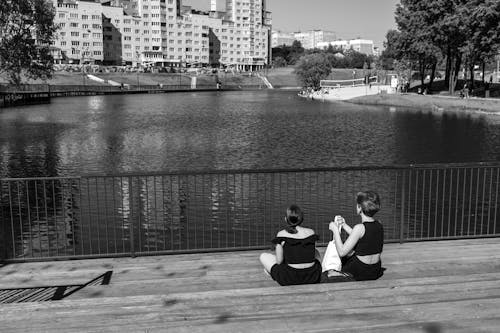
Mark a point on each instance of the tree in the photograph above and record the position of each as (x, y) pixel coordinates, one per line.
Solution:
(481, 22)
(313, 68)
(26, 31)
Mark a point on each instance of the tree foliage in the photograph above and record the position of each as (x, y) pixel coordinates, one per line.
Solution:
(431, 32)
(26, 31)
(313, 68)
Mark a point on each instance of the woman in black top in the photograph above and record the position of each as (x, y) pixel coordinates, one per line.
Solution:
(361, 252)
(295, 259)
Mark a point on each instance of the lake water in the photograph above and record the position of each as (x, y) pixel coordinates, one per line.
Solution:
(231, 130)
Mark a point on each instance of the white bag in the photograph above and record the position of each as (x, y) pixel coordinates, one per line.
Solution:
(331, 258)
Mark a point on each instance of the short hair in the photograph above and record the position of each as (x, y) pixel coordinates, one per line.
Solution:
(369, 202)
(294, 217)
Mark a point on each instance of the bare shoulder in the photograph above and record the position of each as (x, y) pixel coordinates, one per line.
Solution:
(307, 232)
(359, 229)
(282, 233)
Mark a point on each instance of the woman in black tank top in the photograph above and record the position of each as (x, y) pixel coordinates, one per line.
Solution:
(361, 252)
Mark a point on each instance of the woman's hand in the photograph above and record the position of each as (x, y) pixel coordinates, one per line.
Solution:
(337, 224)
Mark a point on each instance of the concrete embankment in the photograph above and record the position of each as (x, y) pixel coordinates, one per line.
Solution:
(431, 102)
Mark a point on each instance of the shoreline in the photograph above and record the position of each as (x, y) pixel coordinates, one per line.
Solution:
(434, 103)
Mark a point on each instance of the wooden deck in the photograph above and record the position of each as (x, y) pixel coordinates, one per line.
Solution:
(445, 286)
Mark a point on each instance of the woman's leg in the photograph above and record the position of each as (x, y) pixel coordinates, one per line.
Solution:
(267, 260)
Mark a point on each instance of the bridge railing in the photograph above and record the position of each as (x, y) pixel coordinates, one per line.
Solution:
(180, 212)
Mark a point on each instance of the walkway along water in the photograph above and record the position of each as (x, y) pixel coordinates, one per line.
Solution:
(136, 214)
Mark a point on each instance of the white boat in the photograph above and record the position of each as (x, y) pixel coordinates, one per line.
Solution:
(338, 90)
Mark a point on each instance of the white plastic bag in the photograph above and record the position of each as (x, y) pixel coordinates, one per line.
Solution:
(331, 258)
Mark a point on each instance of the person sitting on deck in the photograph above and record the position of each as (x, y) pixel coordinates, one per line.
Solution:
(361, 252)
(296, 258)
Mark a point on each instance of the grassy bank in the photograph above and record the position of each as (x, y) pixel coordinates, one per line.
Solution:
(431, 102)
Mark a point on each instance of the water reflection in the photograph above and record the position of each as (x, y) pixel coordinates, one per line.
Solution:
(198, 131)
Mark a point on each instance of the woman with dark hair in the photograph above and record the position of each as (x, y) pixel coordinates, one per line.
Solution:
(361, 252)
(295, 260)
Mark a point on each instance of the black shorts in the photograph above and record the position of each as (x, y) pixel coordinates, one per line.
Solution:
(286, 275)
(361, 271)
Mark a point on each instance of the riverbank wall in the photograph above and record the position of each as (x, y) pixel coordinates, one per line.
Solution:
(434, 103)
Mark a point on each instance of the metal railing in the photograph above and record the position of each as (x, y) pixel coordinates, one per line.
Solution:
(132, 214)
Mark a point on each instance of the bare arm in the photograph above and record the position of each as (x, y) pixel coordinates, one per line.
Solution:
(344, 249)
(279, 253)
(347, 228)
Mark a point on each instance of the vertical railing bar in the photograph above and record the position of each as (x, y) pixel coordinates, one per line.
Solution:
(316, 210)
(219, 211)
(482, 201)
(122, 197)
(140, 211)
(211, 219)
(395, 207)
(98, 217)
(235, 212)
(449, 202)
(489, 202)
(436, 206)
(71, 204)
(295, 189)
(203, 219)
(46, 216)
(429, 206)
(155, 207)
(37, 218)
(423, 205)
(443, 194)
(81, 215)
(131, 216)
(172, 212)
(12, 222)
(89, 215)
(106, 213)
(408, 210)
(113, 191)
(228, 206)
(147, 219)
(470, 200)
(463, 204)
(55, 216)
(255, 207)
(243, 217)
(477, 198)
(20, 215)
(457, 195)
(195, 211)
(188, 215)
(403, 195)
(29, 217)
(496, 201)
(163, 210)
(416, 204)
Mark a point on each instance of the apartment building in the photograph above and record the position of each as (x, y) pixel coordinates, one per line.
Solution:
(163, 33)
(311, 39)
(80, 37)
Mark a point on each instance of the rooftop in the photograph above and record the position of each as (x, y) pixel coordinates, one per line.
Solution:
(438, 286)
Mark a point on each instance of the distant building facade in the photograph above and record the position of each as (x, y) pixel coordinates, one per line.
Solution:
(359, 45)
(163, 33)
(311, 39)
(279, 38)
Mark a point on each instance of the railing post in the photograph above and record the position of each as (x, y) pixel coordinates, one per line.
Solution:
(131, 222)
(403, 203)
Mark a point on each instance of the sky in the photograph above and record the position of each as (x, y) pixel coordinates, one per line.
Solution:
(368, 19)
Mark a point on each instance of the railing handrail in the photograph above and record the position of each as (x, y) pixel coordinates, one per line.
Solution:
(484, 164)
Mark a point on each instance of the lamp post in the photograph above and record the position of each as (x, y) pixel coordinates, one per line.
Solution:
(137, 58)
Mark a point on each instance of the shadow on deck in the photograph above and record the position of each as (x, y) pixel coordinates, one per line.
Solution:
(441, 286)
